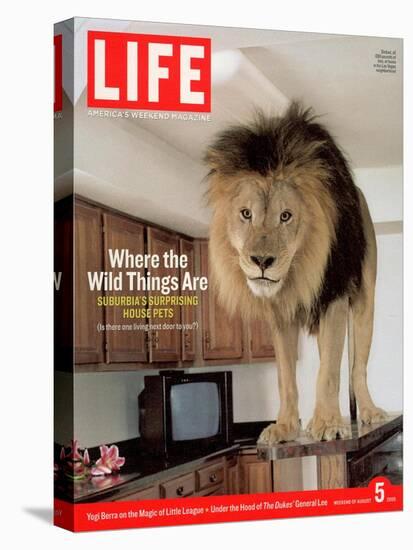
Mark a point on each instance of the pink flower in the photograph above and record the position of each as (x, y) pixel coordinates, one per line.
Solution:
(74, 464)
(75, 469)
(74, 450)
(86, 458)
(109, 461)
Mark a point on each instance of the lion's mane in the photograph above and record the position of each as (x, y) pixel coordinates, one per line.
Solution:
(291, 147)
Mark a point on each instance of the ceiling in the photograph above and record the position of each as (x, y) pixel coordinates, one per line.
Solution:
(333, 75)
(250, 68)
(363, 108)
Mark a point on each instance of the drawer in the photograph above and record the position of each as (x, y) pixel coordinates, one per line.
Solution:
(211, 475)
(179, 487)
(148, 493)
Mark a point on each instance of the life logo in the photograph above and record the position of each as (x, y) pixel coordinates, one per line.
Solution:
(58, 73)
(149, 72)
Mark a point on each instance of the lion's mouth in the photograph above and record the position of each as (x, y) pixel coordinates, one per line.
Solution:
(264, 279)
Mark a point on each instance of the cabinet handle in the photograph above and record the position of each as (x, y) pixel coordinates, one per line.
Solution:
(207, 340)
(213, 478)
(155, 340)
(187, 342)
(180, 490)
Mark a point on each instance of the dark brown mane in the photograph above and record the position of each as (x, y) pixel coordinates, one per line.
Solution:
(295, 142)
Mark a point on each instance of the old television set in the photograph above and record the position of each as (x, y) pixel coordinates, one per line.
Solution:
(183, 414)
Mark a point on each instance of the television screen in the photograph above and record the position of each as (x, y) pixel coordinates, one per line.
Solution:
(195, 410)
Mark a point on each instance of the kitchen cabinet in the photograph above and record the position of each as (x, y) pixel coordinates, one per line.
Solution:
(261, 344)
(88, 341)
(210, 477)
(124, 346)
(188, 313)
(222, 336)
(207, 480)
(255, 474)
(215, 338)
(165, 344)
(182, 486)
(233, 476)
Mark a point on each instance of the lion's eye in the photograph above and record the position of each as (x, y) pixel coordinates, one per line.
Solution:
(285, 216)
(246, 214)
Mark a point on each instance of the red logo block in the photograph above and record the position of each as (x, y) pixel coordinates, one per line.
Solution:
(152, 72)
(58, 66)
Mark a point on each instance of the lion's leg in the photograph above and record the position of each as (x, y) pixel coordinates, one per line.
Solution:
(327, 422)
(287, 426)
(363, 316)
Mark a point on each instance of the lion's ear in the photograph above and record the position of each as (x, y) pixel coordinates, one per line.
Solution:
(213, 159)
(217, 189)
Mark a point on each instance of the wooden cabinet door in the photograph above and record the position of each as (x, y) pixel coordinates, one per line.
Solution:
(261, 340)
(123, 346)
(165, 345)
(87, 257)
(256, 475)
(233, 481)
(222, 337)
(188, 340)
(210, 476)
(182, 486)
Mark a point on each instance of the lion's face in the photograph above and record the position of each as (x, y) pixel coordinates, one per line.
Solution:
(276, 188)
(265, 228)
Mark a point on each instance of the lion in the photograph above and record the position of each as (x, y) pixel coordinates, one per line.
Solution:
(292, 242)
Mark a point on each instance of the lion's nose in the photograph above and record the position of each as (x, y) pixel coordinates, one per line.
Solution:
(263, 261)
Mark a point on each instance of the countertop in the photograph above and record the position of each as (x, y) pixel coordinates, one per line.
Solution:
(138, 472)
(362, 436)
(141, 471)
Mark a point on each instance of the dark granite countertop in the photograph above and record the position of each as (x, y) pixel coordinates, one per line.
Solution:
(142, 470)
(139, 471)
(362, 436)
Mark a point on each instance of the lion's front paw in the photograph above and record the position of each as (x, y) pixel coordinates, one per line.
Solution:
(282, 431)
(371, 415)
(328, 428)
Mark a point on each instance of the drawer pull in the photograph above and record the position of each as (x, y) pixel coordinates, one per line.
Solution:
(187, 341)
(213, 478)
(207, 340)
(180, 490)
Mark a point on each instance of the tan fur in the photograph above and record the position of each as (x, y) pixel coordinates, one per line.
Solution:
(292, 242)
(289, 306)
(363, 317)
(308, 264)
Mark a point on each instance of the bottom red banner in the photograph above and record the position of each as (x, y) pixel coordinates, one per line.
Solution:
(379, 496)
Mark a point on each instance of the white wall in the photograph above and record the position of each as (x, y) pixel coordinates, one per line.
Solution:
(383, 189)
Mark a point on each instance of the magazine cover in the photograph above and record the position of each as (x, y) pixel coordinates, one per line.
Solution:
(228, 274)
